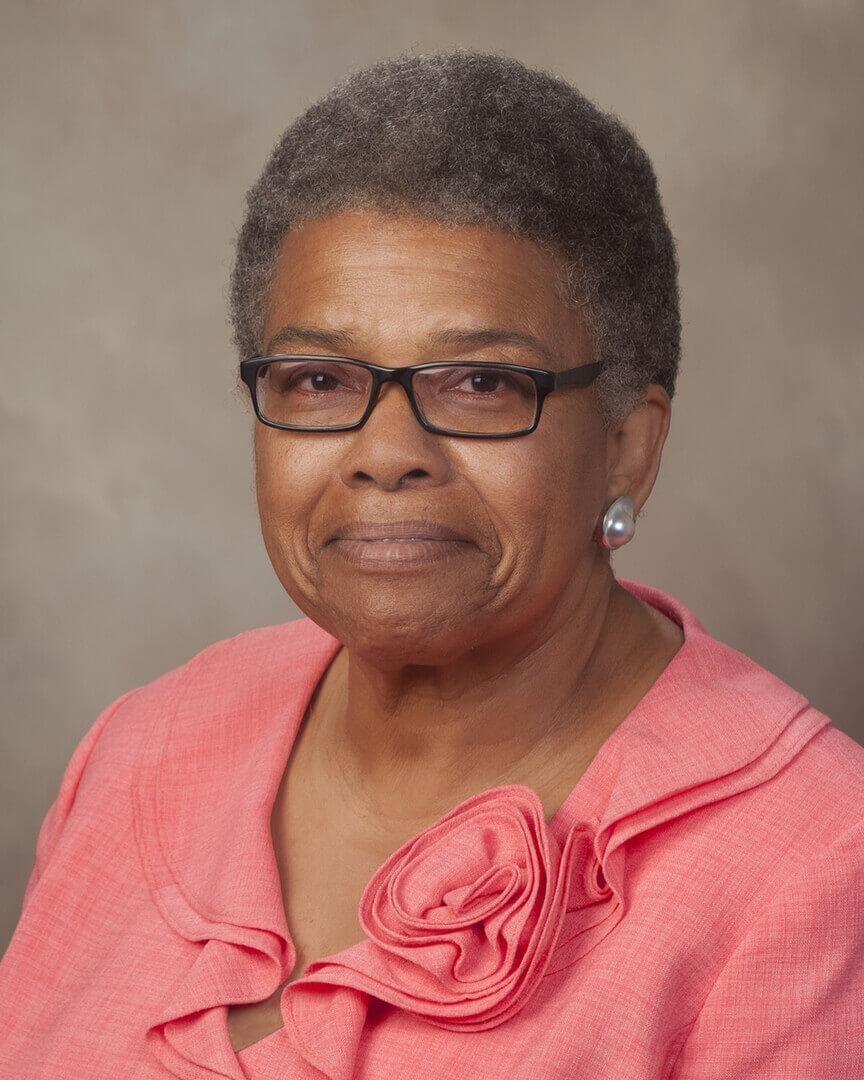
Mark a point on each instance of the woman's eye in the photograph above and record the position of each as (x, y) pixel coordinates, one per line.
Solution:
(311, 380)
(321, 380)
(486, 382)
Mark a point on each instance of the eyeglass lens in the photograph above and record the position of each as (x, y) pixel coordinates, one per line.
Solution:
(467, 398)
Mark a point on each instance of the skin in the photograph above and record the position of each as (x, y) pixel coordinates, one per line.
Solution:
(508, 661)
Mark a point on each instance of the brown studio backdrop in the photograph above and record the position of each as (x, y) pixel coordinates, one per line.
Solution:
(131, 132)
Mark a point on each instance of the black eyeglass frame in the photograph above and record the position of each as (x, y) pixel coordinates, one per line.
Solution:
(545, 382)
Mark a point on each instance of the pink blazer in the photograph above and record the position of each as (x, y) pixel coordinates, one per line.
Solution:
(695, 909)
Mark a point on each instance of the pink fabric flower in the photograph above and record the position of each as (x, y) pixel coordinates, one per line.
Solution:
(462, 920)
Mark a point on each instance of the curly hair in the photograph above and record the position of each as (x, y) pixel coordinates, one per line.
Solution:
(467, 138)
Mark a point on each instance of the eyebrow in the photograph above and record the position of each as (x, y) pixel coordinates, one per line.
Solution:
(452, 337)
(309, 335)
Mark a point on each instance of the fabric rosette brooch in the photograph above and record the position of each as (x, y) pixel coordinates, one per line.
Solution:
(463, 920)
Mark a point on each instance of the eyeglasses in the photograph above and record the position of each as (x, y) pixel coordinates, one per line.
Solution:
(334, 393)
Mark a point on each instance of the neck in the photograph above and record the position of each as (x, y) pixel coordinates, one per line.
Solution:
(406, 744)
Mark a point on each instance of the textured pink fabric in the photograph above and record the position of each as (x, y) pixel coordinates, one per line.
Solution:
(693, 911)
(463, 920)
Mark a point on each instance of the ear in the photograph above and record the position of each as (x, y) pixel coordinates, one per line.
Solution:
(635, 445)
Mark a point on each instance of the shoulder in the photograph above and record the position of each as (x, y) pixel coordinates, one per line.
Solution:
(243, 668)
(751, 781)
(834, 765)
(789, 822)
(825, 784)
(244, 655)
(240, 676)
(799, 796)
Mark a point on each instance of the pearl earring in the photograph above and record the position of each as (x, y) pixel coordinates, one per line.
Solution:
(618, 523)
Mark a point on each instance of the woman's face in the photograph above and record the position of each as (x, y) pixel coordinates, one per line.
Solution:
(525, 508)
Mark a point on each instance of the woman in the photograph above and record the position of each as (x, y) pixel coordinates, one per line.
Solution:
(486, 811)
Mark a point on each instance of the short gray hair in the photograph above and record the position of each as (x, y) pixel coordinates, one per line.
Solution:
(471, 138)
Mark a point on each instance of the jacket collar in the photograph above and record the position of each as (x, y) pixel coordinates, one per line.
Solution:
(714, 723)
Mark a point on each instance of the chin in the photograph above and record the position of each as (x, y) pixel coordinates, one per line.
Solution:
(394, 639)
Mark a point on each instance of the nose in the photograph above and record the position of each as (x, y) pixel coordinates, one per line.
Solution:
(393, 450)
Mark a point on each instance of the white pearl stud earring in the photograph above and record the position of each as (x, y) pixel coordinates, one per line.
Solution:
(618, 523)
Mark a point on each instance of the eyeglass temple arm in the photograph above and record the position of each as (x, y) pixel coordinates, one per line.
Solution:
(580, 376)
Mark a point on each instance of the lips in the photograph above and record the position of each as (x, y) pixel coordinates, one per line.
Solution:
(413, 529)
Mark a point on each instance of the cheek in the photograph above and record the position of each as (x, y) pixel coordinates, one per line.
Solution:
(288, 482)
(268, 476)
(541, 493)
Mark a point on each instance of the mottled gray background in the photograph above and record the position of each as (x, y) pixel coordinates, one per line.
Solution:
(130, 133)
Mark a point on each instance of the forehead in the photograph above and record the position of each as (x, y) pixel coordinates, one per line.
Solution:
(373, 273)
